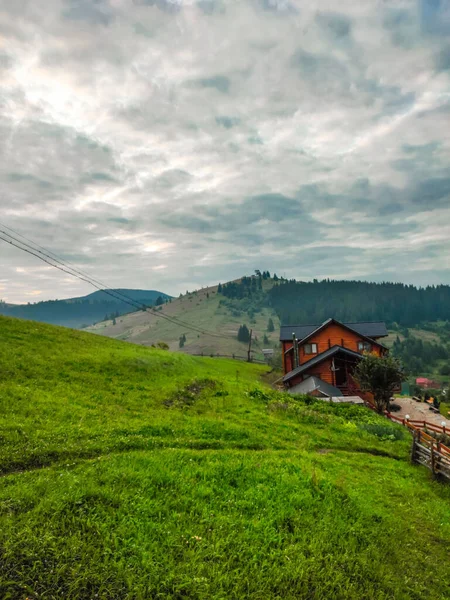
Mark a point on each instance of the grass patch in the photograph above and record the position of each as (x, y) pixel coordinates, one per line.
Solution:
(133, 473)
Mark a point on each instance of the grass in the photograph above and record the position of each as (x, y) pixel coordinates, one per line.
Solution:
(199, 309)
(134, 473)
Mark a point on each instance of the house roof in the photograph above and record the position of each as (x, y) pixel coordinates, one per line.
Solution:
(320, 358)
(367, 329)
(313, 383)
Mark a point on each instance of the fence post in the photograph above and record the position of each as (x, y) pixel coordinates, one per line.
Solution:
(413, 449)
(433, 461)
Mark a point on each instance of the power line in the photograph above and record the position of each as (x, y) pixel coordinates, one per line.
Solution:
(49, 254)
(62, 266)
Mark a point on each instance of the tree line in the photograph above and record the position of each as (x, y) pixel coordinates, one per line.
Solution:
(314, 302)
(419, 356)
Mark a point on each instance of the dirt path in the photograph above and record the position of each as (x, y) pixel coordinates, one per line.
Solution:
(419, 411)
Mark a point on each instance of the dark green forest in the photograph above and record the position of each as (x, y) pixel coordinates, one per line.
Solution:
(81, 312)
(419, 356)
(300, 302)
(314, 302)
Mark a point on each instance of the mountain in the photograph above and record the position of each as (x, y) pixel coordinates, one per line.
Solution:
(132, 473)
(83, 311)
(219, 311)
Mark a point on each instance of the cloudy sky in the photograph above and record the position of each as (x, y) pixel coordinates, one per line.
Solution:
(170, 144)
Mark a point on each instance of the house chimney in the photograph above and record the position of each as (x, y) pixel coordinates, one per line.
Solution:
(295, 345)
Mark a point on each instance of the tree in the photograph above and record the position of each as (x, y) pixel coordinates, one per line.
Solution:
(159, 301)
(243, 334)
(266, 340)
(219, 288)
(114, 321)
(182, 340)
(270, 325)
(380, 375)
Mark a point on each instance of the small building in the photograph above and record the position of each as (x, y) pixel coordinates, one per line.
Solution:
(327, 354)
(268, 354)
(428, 384)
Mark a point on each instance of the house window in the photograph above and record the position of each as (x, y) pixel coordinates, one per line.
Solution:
(364, 347)
(310, 348)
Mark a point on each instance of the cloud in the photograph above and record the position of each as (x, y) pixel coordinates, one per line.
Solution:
(96, 12)
(219, 82)
(224, 136)
(336, 25)
(227, 122)
(443, 59)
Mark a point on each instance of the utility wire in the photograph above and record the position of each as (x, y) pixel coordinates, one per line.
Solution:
(49, 254)
(62, 266)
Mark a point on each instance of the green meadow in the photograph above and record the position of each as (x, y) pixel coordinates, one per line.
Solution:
(136, 473)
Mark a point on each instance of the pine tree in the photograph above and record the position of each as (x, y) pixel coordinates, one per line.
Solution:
(243, 334)
(219, 288)
(270, 325)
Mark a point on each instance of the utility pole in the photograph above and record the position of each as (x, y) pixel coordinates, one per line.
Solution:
(249, 359)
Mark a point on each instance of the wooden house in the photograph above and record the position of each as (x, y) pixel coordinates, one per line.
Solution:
(320, 359)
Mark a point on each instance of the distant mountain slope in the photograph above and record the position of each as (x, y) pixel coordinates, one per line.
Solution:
(83, 311)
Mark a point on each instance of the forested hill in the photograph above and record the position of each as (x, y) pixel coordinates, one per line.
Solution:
(84, 311)
(313, 302)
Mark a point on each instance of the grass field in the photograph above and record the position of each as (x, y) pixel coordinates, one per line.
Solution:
(134, 473)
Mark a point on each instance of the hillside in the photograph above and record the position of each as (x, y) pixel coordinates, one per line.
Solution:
(204, 309)
(224, 312)
(135, 473)
(80, 312)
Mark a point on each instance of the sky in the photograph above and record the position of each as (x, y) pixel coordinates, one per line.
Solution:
(173, 144)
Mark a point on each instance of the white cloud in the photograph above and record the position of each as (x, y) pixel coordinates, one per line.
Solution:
(141, 129)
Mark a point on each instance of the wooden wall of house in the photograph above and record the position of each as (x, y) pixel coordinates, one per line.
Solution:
(334, 335)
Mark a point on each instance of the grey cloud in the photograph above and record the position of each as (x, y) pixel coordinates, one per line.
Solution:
(6, 60)
(172, 178)
(168, 6)
(443, 59)
(255, 140)
(218, 82)
(435, 17)
(227, 122)
(432, 193)
(421, 149)
(337, 25)
(279, 6)
(98, 177)
(211, 7)
(318, 66)
(97, 12)
(402, 26)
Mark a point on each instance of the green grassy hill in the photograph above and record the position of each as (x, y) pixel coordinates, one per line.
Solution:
(201, 309)
(134, 473)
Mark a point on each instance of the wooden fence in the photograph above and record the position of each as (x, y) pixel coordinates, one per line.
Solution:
(427, 450)
(233, 356)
